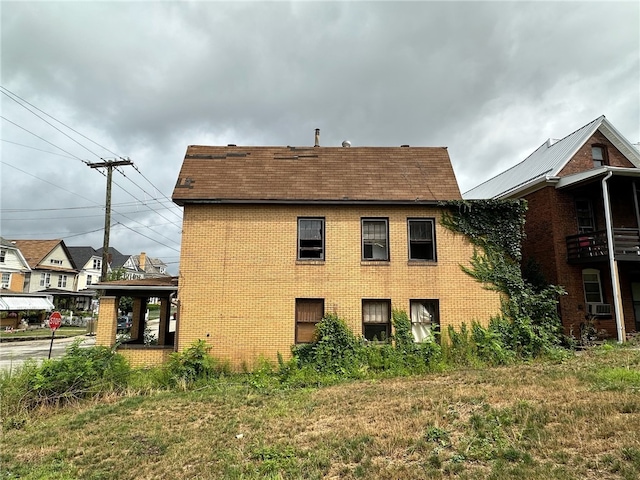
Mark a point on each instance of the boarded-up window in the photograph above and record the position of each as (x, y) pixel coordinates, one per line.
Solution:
(309, 311)
(376, 320)
(375, 240)
(425, 317)
(421, 239)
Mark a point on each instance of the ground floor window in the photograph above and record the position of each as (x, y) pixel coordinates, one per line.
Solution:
(376, 319)
(309, 311)
(425, 317)
(592, 285)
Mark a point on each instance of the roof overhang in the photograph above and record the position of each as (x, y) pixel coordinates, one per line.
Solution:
(153, 287)
(595, 175)
(345, 201)
(528, 187)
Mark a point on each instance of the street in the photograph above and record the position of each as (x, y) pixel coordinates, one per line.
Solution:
(13, 354)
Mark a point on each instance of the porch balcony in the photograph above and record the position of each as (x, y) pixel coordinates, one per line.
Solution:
(593, 246)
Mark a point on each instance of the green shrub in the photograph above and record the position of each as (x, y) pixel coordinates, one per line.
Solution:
(336, 350)
(80, 373)
(194, 365)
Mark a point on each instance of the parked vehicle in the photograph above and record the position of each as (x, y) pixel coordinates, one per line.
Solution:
(124, 324)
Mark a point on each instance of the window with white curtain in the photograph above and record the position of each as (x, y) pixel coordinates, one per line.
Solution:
(376, 320)
(425, 318)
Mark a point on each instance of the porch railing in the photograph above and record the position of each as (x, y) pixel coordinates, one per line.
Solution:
(593, 246)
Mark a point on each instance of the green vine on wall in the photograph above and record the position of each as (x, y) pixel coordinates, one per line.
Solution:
(529, 321)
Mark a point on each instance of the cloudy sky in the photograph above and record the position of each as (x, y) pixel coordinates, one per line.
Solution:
(87, 82)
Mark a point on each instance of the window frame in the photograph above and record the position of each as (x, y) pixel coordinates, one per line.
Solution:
(97, 263)
(419, 335)
(89, 279)
(603, 150)
(592, 271)
(62, 281)
(588, 213)
(2, 279)
(45, 280)
(432, 222)
(385, 221)
(3, 255)
(365, 324)
(298, 321)
(322, 239)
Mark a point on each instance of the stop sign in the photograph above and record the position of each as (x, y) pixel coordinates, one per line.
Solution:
(55, 320)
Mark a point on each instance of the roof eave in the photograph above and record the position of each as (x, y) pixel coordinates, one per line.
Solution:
(214, 201)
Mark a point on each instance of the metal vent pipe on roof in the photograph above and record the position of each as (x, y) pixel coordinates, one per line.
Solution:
(317, 144)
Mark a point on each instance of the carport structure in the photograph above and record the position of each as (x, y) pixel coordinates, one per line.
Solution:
(135, 349)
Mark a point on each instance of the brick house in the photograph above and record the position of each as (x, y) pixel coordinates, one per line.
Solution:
(583, 224)
(274, 237)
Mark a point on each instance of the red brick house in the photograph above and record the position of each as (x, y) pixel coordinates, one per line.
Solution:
(583, 224)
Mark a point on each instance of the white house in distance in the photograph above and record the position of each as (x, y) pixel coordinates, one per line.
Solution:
(13, 266)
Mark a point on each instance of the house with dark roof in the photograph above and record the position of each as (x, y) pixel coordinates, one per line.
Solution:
(275, 237)
(583, 225)
(88, 261)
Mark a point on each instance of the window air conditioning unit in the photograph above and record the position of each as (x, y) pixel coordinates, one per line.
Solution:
(599, 309)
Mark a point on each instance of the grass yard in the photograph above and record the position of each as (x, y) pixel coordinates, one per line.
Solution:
(579, 419)
(44, 333)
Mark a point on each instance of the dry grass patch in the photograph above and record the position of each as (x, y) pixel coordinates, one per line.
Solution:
(537, 420)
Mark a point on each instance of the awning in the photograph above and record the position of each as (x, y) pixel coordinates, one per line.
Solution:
(25, 303)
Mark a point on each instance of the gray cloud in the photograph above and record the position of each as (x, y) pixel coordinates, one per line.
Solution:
(490, 80)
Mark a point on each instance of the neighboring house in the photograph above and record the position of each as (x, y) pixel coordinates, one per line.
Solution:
(89, 263)
(583, 224)
(52, 272)
(13, 267)
(275, 237)
(146, 267)
(135, 267)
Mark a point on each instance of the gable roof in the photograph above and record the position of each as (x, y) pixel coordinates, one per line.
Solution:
(234, 174)
(34, 251)
(117, 259)
(549, 159)
(81, 255)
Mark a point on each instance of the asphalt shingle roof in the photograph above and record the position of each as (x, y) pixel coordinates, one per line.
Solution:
(315, 174)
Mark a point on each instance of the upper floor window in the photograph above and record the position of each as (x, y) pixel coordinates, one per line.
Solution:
(89, 279)
(62, 281)
(599, 155)
(309, 311)
(421, 239)
(97, 264)
(6, 280)
(376, 319)
(311, 238)
(3, 254)
(54, 261)
(45, 279)
(584, 214)
(592, 285)
(425, 317)
(375, 239)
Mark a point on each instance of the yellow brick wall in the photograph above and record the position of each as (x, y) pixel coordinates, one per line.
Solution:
(107, 321)
(239, 276)
(145, 356)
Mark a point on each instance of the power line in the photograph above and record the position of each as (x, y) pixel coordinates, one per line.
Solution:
(44, 140)
(53, 118)
(34, 148)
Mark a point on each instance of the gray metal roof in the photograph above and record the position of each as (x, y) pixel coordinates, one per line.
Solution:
(548, 160)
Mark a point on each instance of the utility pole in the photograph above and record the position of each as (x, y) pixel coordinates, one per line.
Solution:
(109, 165)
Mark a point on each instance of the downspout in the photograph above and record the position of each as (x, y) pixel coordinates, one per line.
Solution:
(613, 265)
(635, 201)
